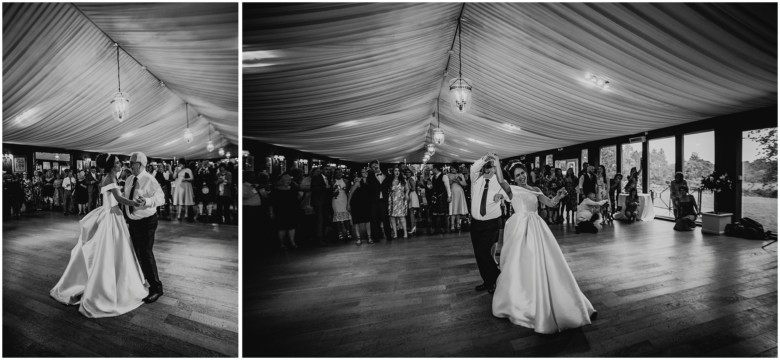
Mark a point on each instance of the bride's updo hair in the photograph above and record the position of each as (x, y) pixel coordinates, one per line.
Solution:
(515, 166)
(106, 162)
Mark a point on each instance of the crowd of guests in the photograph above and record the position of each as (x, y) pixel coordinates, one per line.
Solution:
(331, 204)
(194, 191)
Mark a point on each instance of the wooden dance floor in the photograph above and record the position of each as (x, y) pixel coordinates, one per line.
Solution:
(658, 293)
(197, 316)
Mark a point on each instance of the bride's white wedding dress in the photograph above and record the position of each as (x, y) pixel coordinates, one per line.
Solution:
(103, 274)
(536, 289)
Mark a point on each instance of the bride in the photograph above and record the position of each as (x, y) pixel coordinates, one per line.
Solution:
(103, 274)
(536, 289)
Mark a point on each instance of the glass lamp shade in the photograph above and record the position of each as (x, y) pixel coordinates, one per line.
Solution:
(221, 152)
(210, 146)
(431, 148)
(120, 106)
(460, 93)
(227, 155)
(438, 136)
(187, 135)
(245, 153)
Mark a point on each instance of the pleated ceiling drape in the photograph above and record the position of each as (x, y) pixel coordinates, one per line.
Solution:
(360, 81)
(60, 74)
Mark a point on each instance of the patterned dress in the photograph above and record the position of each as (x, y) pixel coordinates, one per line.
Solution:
(339, 202)
(396, 206)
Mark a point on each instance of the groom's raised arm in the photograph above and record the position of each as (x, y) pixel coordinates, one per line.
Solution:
(475, 168)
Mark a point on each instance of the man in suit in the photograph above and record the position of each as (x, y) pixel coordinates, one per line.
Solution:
(486, 217)
(440, 199)
(142, 220)
(165, 184)
(90, 178)
(320, 202)
(378, 189)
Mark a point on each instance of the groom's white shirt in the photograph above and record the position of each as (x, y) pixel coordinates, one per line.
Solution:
(492, 208)
(147, 188)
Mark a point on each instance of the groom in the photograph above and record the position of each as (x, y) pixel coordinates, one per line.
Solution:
(486, 196)
(142, 220)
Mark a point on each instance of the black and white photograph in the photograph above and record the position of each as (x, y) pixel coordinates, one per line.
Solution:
(509, 180)
(120, 199)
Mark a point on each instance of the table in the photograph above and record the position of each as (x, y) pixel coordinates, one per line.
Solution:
(645, 209)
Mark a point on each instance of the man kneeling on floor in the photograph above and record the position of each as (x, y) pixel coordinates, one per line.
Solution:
(588, 214)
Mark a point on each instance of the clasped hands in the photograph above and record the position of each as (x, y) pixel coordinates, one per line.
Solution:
(139, 202)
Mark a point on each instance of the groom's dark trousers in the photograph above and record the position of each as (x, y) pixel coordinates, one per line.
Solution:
(483, 235)
(142, 233)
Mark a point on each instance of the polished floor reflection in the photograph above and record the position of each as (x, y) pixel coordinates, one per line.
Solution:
(197, 316)
(658, 293)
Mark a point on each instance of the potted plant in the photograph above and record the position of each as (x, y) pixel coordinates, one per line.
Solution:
(715, 222)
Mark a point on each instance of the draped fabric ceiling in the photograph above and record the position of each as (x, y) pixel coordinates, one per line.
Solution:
(360, 81)
(60, 75)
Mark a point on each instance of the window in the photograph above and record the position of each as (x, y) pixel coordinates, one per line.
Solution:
(660, 173)
(548, 160)
(631, 157)
(759, 177)
(536, 162)
(584, 156)
(608, 158)
(698, 162)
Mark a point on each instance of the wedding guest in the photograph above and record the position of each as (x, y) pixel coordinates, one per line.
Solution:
(47, 194)
(359, 205)
(68, 187)
(440, 198)
(320, 202)
(414, 200)
(341, 216)
(57, 198)
(251, 204)
(284, 211)
(225, 191)
(614, 190)
(165, 185)
(633, 179)
(675, 192)
(204, 189)
(632, 205)
(569, 202)
(183, 198)
(458, 206)
(92, 182)
(588, 213)
(37, 190)
(82, 198)
(397, 202)
(588, 180)
(688, 211)
(379, 186)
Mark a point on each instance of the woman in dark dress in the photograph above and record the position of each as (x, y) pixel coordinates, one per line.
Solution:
(285, 210)
(48, 189)
(81, 193)
(359, 206)
(687, 212)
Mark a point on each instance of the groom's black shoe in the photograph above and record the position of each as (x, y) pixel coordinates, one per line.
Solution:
(152, 297)
(483, 287)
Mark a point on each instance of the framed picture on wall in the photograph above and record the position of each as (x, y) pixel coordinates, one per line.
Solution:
(20, 164)
(536, 163)
(46, 165)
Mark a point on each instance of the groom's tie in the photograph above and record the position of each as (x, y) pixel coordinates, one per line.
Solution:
(483, 203)
(132, 191)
